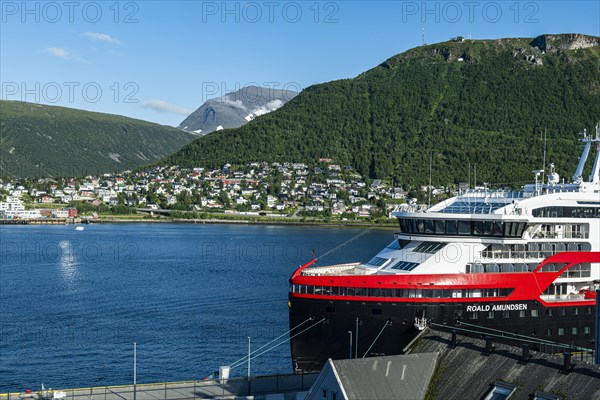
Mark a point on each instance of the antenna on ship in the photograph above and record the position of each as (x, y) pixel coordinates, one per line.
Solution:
(469, 180)
(544, 159)
(430, 163)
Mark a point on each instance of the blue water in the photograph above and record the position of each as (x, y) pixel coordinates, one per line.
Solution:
(73, 302)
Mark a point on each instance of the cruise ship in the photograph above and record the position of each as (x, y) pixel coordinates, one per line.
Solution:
(523, 264)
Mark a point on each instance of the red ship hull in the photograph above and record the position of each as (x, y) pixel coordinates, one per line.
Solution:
(381, 310)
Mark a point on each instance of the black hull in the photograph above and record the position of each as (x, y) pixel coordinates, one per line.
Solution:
(331, 338)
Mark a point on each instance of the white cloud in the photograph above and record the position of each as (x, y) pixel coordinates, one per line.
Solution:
(235, 103)
(164, 107)
(101, 37)
(56, 52)
(267, 108)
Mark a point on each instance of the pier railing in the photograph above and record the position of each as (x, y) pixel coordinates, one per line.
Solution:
(207, 389)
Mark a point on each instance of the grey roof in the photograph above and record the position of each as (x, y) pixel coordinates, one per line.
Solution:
(465, 372)
(390, 377)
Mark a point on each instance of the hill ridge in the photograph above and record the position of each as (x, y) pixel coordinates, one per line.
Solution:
(42, 140)
(471, 101)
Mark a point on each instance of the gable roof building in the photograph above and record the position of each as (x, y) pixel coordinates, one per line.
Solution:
(388, 377)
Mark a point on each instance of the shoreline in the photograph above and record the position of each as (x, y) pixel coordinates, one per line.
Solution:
(212, 221)
(336, 224)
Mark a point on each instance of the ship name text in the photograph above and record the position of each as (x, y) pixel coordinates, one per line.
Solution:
(497, 307)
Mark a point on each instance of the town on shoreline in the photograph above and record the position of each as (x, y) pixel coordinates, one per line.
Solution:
(285, 193)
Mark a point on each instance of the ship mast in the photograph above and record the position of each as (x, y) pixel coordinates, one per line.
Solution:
(588, 140)
(595, 176)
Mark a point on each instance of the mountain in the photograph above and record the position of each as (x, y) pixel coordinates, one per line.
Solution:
(40, 140)
(235, 109)
(484, 102)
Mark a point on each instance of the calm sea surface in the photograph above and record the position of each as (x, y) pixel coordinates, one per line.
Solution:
(73, 302)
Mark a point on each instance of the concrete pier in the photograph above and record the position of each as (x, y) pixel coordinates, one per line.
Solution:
(273, 387)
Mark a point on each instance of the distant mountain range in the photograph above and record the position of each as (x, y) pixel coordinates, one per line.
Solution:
(465, 102)
(38, 140)
(235, 109)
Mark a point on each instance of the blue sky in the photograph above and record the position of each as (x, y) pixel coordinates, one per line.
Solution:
(159, 60)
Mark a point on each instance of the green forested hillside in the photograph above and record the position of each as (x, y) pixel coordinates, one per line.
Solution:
(484, 102)
(40, 140)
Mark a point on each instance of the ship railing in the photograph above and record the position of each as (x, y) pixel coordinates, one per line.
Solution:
(496, 194)
(516, 254)
(330, 269)
(551, 298)
(561, 235)
(210, 388)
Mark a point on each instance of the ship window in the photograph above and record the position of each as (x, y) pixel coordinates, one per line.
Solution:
(520, 229)
(553, 267)
(440, 227)
(478, 228)
(429, 226)
(522, 314)
(507, 268)
(576, 311)
(377, 261)
(429, 247)
(451, 227)
(405, 265)
(548, 332)
(561, 331)
(587, 330)
(583, 270)
(567, 212)
(490, 314)
(398, 244)
(464, 228)
(505, 314)
(574, 330)
(548, 312)
(487, 228)
(534, 313)
(496, 228)
(588, 310)
(421, 226)
(474, 315)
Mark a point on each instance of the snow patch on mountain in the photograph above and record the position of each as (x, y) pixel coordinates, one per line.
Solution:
(235, 109)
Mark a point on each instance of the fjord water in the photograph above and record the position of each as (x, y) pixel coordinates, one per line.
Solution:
(73, 302)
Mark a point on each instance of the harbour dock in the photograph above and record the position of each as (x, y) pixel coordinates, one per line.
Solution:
(273, 387)
(39, 221)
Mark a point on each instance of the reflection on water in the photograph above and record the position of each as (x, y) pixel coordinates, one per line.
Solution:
(189, 295)
(67, 262)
